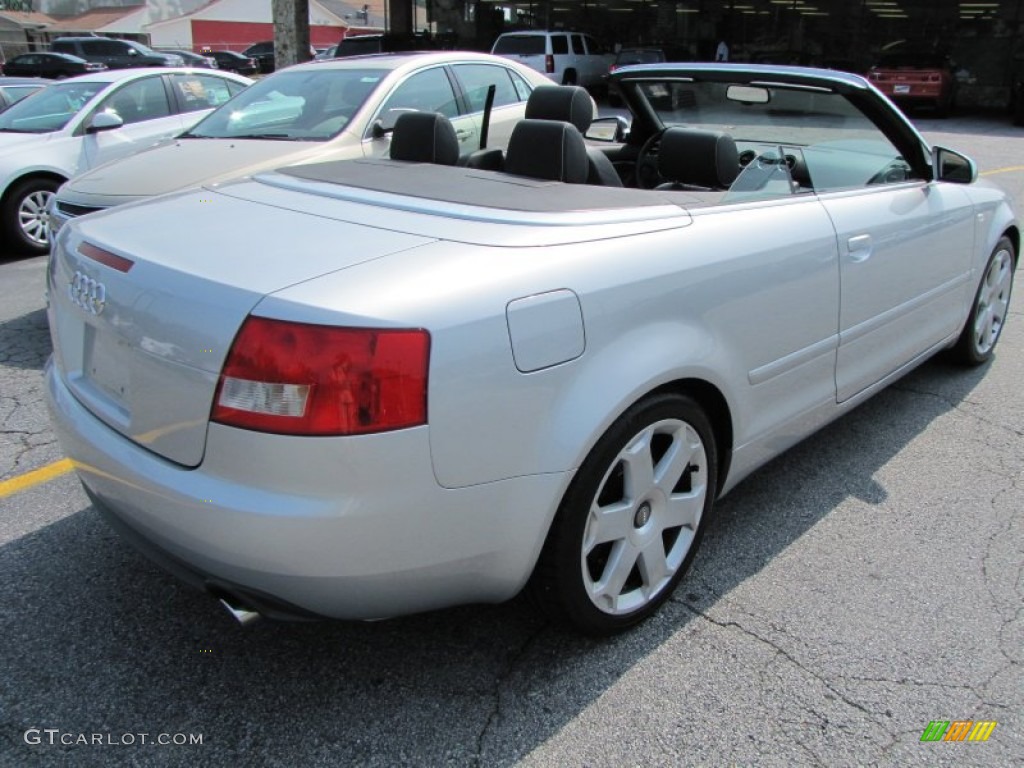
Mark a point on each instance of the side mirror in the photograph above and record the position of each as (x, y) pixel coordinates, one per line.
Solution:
(385, 124)
(953, 167)
(611, 129)
(377, 129)
(104, 121)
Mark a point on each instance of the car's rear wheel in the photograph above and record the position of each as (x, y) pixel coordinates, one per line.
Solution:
(569, 78)
(24, 215)
(991, 303)
(632, 518)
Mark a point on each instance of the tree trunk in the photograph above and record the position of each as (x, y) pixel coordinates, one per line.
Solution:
(291, 32)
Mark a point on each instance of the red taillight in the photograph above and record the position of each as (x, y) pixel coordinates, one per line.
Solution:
(549, 63)
(301, 379)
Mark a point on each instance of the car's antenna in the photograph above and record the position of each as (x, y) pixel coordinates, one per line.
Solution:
(488, 103)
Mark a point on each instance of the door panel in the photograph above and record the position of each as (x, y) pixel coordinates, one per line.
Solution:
(904, 262)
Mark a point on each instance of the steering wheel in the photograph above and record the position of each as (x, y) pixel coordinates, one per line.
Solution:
(646, 170)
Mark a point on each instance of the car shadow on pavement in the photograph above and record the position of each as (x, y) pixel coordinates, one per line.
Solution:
(100, 641)
(25, 341)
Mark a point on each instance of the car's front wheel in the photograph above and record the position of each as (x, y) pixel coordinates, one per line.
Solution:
(24, 215)
(991, 303)
(632, 518)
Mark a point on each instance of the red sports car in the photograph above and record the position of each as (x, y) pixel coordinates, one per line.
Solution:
(916, 79)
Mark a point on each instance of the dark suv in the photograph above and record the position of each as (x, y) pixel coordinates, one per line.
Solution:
(356, 45)
(263, 54)
(116, 54)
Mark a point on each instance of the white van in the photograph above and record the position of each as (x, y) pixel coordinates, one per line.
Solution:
(568, 58)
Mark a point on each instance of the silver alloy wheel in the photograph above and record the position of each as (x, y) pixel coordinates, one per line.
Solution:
(33, 217)
(993, 300)
(644, 516)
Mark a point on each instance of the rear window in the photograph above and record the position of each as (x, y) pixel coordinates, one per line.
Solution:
(639, 57)
(523, 45)
(354, 46)
(913, 61)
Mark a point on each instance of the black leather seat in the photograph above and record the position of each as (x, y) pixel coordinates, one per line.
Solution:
(695, 159)
(547, 149)
(424, 137)
(572, 104)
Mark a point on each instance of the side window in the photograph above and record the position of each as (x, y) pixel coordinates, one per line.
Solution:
(197, 92)
(138, 101)
(426, 91)
(559, 44)
(102, 48)
(577, 45)
(477, 78)
(523, 88)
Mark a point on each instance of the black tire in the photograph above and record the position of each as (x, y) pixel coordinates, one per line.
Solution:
(600, 585)
(23, 218)
(569, 78)
(988, 314)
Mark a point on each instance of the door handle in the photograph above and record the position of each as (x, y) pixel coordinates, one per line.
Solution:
(464, 134)
(859, 247)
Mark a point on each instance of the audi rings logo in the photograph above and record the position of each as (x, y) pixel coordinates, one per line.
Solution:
(89, 294)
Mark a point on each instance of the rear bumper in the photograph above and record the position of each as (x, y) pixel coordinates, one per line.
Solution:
(350, 528)
(915, 92)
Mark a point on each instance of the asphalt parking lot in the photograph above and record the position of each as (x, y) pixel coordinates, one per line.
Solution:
(866, 583)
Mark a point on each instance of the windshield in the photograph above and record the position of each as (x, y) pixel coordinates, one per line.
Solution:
(786, 116)
(307, 105)
(49, 109)
(787, 139)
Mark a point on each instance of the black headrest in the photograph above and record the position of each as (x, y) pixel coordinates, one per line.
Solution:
(568, 103)
(698, 158)
(424, 137)
(547, 149)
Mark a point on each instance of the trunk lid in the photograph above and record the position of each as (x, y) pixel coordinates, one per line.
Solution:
(145, 301)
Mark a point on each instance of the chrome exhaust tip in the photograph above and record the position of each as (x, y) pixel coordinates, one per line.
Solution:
(243, 616)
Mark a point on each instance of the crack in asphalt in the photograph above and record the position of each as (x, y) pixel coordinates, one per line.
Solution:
(512, 663)
(998, 537)
(780, 651)
(958, 406)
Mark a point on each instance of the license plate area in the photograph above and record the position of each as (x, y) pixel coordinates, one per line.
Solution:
(901, 89)
(105, 365)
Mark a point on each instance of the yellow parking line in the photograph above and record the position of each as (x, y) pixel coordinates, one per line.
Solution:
(1008, 169)
(35, 477)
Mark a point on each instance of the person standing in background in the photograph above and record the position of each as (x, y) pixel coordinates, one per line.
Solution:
(722, 52)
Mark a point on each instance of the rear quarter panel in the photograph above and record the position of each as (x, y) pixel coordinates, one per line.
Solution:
(754, 316)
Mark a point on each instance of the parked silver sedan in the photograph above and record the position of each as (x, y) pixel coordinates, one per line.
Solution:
(372, 387)
(314, 112)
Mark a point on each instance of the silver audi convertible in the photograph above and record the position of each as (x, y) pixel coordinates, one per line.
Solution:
(373, 387)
